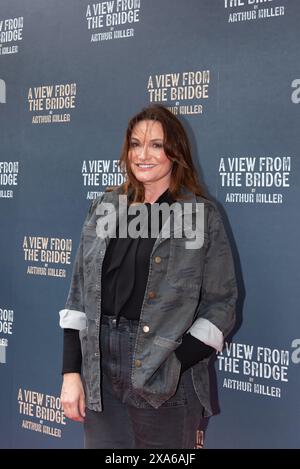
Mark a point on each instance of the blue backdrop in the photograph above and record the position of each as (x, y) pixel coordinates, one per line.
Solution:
(71, 75)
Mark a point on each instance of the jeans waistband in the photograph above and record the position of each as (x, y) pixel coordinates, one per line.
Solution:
(120, 323)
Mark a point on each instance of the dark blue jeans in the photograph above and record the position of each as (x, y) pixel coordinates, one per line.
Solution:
(127, 420)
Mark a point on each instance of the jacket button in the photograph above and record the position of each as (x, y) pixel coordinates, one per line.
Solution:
(146, 329)
(151, 295)
(138, 363)
(157, 259)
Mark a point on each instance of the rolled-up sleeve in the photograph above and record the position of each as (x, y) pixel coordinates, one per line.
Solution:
(73, 315)
(215, 316)
(72, 319)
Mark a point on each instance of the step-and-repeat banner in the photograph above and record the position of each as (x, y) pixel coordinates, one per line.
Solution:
(72, 73)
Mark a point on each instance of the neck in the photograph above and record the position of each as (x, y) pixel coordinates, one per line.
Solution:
(152, 193)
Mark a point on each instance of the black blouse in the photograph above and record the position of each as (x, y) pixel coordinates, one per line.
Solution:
(125, 270)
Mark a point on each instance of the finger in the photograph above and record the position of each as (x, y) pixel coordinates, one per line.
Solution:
(82, 406)
(74, 416)
(71, 411)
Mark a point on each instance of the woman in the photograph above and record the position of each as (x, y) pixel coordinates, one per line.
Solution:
(145, 312)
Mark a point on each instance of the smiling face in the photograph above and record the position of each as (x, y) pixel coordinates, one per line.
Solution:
(148, 161)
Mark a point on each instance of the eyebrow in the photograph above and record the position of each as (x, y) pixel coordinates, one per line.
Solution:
(152, 140)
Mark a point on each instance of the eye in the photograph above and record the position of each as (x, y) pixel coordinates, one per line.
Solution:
(134, 144)
(157, 145)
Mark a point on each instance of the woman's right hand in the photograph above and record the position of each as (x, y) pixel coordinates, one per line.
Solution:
(72, 397)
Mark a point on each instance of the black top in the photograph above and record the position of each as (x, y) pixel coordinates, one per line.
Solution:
(125, 272)
(126, 267)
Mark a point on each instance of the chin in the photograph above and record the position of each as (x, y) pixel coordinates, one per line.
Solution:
(144, 177)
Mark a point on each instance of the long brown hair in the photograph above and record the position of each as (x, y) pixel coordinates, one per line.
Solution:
(176, 147)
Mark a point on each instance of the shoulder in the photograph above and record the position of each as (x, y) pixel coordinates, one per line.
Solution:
(107, 196)
(212, 213)
(210, 207)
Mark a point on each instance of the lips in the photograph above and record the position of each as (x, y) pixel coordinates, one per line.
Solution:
(145, 165)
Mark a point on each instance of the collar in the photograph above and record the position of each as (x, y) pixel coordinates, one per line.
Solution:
(112, 197)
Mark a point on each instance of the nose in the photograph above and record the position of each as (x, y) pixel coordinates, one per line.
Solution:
(143, 152)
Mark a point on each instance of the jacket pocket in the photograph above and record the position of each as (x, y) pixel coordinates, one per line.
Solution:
(157, 381)
(167, 343)
(185, 267)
